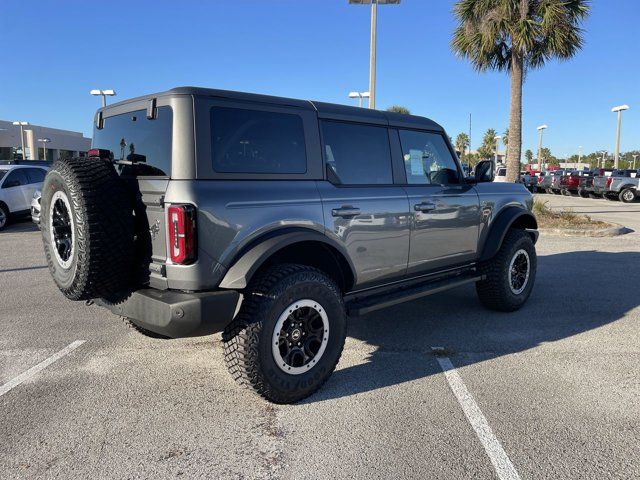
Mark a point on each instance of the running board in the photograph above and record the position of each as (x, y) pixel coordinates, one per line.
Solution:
(358, 308)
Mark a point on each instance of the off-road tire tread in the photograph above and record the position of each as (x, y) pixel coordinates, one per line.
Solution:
(104, 232)
(491, 290)
(241, 337)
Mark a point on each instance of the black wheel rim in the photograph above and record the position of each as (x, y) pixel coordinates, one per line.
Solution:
(300, 336)
(61, 228)
(519, 270)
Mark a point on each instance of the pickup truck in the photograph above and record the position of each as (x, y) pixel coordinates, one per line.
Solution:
(623, 186)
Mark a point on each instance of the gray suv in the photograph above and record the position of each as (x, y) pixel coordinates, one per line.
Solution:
(271, 220)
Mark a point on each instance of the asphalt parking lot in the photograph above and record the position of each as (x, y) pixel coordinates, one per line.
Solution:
(557, 383)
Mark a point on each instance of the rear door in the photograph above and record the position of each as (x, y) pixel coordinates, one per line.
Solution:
(363, 209)
(36, 177)
(445, 210)
(13, 192)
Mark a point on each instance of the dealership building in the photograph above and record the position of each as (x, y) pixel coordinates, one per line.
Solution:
(58, 143)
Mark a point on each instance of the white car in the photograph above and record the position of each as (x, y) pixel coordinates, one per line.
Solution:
(501, 174)
(18, 183)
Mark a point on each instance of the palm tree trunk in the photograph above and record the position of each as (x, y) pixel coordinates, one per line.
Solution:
(514, 146)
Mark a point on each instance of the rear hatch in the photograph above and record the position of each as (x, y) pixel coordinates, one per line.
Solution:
(141, 147)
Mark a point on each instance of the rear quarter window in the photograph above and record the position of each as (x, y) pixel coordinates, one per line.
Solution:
(257, 141)
(133, 136)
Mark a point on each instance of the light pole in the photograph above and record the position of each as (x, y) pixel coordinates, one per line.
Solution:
(634, 161)
(497, 138)
(616, 153)
(604, 155)
(359, 96)
(104, 94)
(372, 54)
(22, 125)
(541, 129)
(579, 155)
(44, 146)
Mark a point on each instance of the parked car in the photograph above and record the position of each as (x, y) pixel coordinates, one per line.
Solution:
(35, 207)
(270, 219)
(539, 180)
(585, 186)
(17, 185)
(528, 180)
(570, 181)
(622, 185)
(551, 181)
(501, 174)
(600, 177)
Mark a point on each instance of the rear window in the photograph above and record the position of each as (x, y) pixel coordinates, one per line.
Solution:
(132, 134)
(256, 141)
(502, 172)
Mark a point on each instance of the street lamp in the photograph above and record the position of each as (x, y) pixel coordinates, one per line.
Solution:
(22, 125)
(579, 155)
(104, 94)
(372, 54)
(634, 161)
(497, 138)
(619, 111)
(44, 146)
(359, 96)
(540, 129)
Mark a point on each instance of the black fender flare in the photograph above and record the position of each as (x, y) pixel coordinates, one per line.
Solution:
(503, 222)
(245, 266)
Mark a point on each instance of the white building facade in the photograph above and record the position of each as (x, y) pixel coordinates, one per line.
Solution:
(62, 143)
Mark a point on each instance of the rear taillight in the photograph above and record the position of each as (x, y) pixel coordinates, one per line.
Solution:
(609, 180)
(99, 152)
(182, 233)
(540, 179)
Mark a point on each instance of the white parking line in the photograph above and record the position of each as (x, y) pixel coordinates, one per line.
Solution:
(503, 466)
(39, 367)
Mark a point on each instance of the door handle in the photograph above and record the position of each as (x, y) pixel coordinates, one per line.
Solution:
(345, 212)
(425, 207)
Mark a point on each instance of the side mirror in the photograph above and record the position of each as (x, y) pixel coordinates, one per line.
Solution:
(484, 171)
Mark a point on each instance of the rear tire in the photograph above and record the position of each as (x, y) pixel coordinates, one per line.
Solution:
(510, 274)
(87, 228)
(627, 195)
(583, 194)
(257, 347)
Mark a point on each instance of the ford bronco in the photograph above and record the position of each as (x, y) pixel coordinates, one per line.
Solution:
(272, 220)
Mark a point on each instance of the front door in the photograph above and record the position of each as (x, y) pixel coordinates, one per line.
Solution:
(13, 190)
(363, 210)
(445, 210)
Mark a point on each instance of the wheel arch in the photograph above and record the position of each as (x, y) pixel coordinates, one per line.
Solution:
(510, 217)
(305, 247)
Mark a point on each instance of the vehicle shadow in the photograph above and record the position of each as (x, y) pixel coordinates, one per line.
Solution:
(20, 226)
(561, 305)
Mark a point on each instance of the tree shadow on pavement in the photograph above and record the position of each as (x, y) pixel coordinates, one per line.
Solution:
(575, 292)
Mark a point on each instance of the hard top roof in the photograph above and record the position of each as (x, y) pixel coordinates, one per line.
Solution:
(325, 110)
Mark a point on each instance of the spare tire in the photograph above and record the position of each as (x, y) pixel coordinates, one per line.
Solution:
(87, 228)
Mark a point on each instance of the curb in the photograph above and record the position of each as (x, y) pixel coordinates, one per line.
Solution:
(570, 232)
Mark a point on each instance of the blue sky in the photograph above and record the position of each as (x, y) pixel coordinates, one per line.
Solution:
(54, 52)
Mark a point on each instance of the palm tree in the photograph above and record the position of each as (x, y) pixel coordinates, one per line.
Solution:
(462, 142)
(489, 144)
(505, 138)
(517, 36)
(399, 109)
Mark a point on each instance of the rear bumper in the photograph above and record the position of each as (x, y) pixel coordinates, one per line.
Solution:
(179, 314)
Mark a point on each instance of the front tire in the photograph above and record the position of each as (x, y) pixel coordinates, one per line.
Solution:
(289, 335)
(510, 274)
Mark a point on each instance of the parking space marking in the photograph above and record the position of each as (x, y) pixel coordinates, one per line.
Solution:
(39, 367)
(503, 466)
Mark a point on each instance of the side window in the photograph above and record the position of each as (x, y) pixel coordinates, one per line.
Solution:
(255, 141)
(16, 178)
(427, 159)
(36, 175)
(357, 154)
(131, 136)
